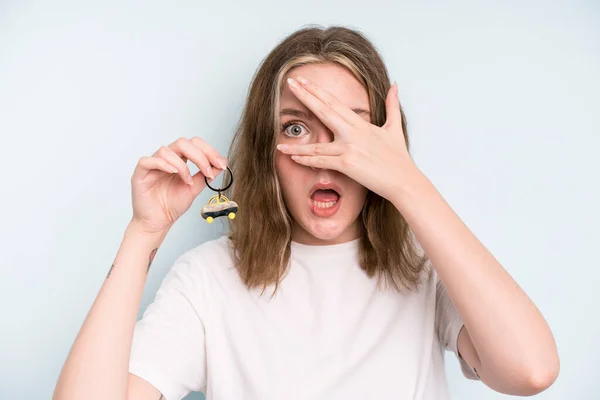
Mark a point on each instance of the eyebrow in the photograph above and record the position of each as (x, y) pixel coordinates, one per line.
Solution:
(294, 112)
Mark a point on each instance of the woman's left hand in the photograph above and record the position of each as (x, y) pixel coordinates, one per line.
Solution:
(376, 157)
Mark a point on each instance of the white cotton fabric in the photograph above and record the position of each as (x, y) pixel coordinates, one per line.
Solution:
(328, 333)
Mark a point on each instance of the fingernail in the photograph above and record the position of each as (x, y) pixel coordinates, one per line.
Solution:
(282, 147)
(222, 162)
(304, 81)
(190, 180)
(292, 82)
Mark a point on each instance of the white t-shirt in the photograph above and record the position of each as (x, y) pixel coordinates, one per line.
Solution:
(328, 333)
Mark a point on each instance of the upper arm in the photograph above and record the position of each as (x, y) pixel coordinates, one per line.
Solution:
(139, 389)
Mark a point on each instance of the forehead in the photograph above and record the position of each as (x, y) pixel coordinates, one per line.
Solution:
(334, 79)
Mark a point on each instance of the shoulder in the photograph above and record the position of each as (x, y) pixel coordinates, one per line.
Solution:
(208, 262)
(211, 250)
(208, 253)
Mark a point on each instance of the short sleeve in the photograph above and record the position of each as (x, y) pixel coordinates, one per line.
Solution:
(448, 325)
(168, 349)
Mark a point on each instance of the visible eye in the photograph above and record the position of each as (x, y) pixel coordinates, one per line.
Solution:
(293, 128)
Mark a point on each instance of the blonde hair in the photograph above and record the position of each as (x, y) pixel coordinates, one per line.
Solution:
(262, 231)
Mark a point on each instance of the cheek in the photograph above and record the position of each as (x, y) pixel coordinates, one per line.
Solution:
(292, 175)
(357, 194)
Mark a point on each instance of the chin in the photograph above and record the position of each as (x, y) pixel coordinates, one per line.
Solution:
(327, 230)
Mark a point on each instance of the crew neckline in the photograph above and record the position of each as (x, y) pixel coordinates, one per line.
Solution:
(334, 250)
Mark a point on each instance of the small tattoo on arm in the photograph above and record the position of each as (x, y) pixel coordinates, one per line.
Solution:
(151, 258)
(110, 270)
(152, 254)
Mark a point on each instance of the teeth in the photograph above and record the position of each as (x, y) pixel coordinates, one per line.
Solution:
(320, 204)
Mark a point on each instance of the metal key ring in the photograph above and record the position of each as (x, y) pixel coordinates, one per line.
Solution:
(221, 189)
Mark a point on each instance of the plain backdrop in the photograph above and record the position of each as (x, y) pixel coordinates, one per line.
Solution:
(502, 102)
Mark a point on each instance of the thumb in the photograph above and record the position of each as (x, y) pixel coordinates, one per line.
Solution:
(199, 183)
(392, 108)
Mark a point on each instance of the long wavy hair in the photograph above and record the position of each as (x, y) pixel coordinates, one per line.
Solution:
(261, 233)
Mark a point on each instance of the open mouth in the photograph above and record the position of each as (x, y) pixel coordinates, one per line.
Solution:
(324, 198)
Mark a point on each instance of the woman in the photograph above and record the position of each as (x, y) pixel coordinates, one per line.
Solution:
(345, 274)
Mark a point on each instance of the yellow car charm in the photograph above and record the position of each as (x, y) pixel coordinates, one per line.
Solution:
(219, 205)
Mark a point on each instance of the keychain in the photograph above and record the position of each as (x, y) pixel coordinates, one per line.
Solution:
(219, 205)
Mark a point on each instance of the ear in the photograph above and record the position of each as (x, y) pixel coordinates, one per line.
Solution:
(392, 108)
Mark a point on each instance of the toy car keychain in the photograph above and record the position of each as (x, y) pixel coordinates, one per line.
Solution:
(219, 205)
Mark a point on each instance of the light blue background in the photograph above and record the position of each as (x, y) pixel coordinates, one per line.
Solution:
(503, 109)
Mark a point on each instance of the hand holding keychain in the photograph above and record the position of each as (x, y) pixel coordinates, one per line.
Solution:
(219, 205)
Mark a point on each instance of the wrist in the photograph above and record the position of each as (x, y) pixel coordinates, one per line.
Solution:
(408, 184)
(139, 230)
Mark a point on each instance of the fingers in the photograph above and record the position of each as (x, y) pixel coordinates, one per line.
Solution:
(169, 155)
(211, 154)
(313, 149)
(176, 155)
(323, 111)
(331, 101)
(322, 162)
(200, 153)
(147, 164)
(392, 108)
(150, 163)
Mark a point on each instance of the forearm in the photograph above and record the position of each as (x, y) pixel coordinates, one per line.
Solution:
(512, 340)
(97, 365)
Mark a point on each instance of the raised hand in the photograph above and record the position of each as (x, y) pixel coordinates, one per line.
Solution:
(162, 186)
(376, 157)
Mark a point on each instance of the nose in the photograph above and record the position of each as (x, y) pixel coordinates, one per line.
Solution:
(324, 136)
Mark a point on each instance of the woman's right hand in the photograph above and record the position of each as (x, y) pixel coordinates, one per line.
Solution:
(162, 186)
